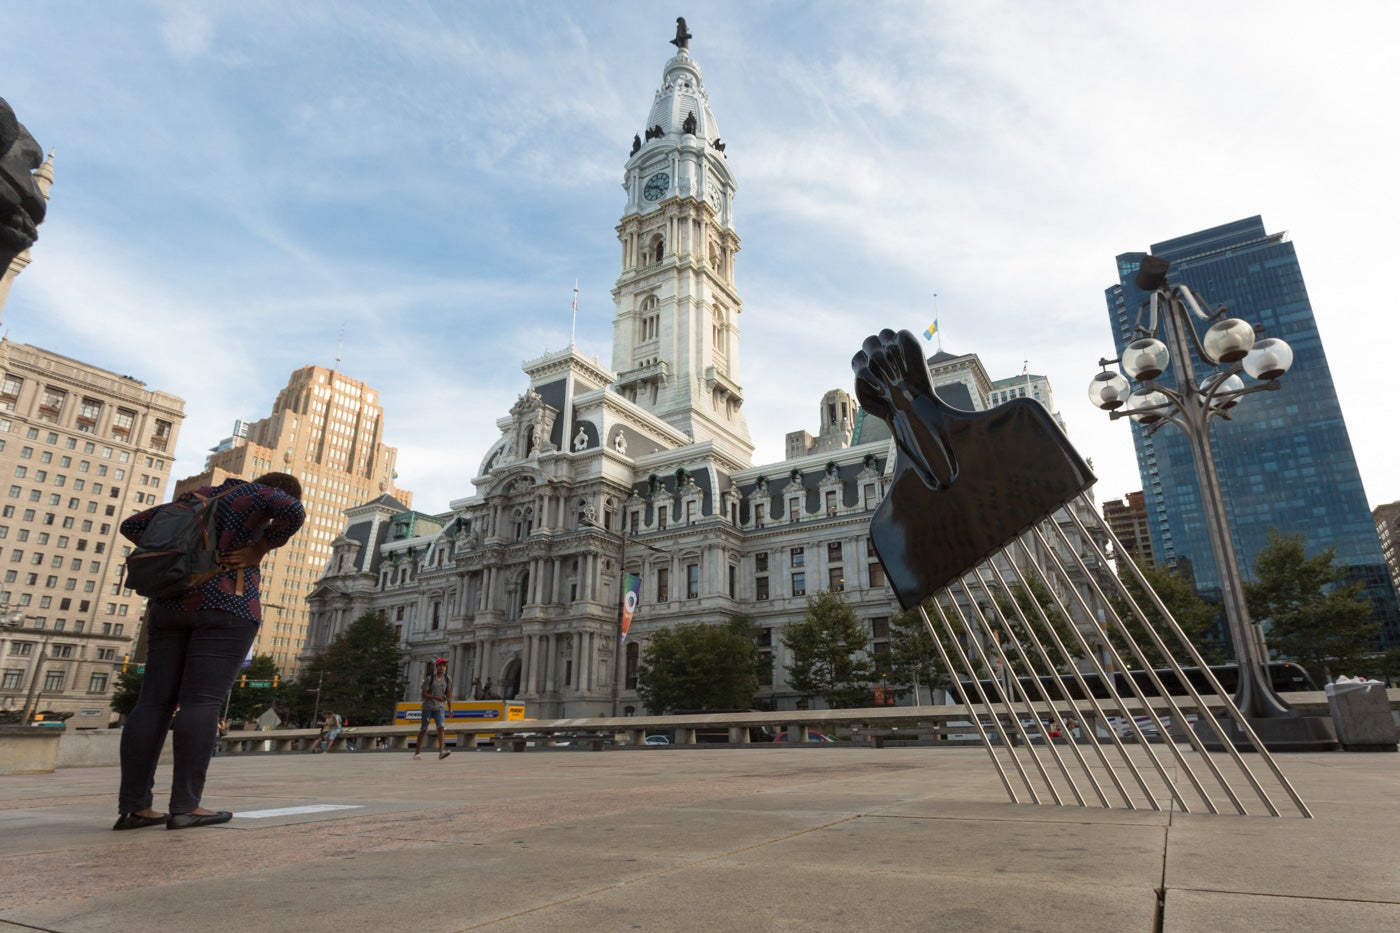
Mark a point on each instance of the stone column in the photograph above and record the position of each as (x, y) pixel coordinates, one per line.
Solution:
(532, 654)
(551, 663)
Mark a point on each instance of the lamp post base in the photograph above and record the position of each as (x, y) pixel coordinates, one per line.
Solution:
(1278, 733)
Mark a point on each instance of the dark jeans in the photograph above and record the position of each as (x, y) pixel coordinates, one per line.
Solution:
(192, 659)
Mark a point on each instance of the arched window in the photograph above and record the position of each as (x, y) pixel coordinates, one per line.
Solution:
(650, 328)
(633, 654)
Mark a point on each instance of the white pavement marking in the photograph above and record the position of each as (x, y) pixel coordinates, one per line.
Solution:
(293, 811)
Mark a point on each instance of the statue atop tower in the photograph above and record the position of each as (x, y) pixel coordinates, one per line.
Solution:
(682, 39)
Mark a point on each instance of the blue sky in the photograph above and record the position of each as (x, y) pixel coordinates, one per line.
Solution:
(434, 177)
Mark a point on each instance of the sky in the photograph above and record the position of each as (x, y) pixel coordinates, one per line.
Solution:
(413, 189)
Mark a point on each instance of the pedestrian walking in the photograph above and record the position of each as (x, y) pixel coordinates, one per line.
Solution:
(196, 641)
(437, 706)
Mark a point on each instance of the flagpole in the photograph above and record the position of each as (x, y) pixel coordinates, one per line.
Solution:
(939, 331)
(573, 325)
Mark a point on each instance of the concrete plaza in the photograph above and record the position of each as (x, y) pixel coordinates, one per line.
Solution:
(758, 838)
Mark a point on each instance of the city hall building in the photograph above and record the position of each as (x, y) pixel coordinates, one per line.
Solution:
(645, 468)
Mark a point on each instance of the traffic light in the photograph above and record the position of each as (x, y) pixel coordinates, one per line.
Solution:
(276, 681)
(242, 680)
(126, 659)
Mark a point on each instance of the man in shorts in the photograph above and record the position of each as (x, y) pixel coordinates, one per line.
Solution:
(437, 706)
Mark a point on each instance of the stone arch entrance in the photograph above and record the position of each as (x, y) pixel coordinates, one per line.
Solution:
(510, 680)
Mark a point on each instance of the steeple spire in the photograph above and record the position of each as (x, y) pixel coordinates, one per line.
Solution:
(676, 333)
(43, 176)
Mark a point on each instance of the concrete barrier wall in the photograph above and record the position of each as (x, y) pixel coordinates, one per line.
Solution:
(99, 748)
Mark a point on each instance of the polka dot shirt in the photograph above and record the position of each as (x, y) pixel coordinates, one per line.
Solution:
(251, 513)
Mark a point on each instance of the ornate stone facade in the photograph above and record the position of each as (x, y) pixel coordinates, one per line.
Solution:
(646, 469)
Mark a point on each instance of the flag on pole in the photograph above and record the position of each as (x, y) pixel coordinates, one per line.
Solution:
(631, 591)
(931, 330)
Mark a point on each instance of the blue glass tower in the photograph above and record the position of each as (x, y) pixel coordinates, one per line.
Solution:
(1284, 458)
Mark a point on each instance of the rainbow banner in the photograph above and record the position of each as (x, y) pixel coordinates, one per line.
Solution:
(632, 591)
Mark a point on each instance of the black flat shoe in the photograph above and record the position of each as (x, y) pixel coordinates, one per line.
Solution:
(187, 820)
(137, 821)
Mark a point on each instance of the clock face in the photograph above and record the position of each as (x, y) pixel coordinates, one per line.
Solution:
(656, 186)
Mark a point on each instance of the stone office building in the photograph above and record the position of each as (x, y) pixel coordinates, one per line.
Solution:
(81, 448)
(645, 468)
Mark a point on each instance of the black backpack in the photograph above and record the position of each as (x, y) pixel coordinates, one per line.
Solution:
(178, 550)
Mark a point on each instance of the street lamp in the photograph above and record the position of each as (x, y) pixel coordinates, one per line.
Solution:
(1231, 346)
(590, 520)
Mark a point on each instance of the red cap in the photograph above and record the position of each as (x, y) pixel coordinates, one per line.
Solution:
(440, 661)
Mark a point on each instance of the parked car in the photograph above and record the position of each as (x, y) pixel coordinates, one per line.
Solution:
(812, 736)
(656, 740)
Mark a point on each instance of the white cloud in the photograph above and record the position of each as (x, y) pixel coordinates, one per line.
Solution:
(434, 177)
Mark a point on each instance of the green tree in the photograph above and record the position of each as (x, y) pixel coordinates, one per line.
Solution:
(361, 671)
(128, 688)
(913, 659)
(244, 702)
(695, 665)
(1315, 617)
(1386, 667)
(829, 653)
(1197, 618)
(1032, 600)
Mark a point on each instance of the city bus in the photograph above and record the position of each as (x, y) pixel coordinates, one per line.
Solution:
(411, 714)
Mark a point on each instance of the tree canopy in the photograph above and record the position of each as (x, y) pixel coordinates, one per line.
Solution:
(358, 674)
(1036, 603)
(243, 702)
(913, 659)
(246, 702)
(1198, 619)
(696, 665)
(1314, 616)
(128, 688)
(829, 653)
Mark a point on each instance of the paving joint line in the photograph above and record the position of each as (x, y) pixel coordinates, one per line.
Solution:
(660, 873)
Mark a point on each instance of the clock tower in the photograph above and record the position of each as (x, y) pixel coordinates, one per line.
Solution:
(676, 330)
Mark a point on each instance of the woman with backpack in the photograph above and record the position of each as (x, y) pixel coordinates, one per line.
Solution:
(197, 636)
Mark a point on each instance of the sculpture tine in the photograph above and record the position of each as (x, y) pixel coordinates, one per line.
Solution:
(977, 511)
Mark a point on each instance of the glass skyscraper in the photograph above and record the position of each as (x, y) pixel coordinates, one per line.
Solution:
(1284, 458)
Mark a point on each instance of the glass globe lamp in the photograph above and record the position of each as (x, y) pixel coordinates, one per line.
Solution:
(1145, 358)
(1270, 358)
(1108, 390)
(1229, 341)
(1223, 386)
(1147, 399)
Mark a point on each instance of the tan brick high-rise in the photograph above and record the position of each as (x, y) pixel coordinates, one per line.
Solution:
(81, 448)
(327, 430)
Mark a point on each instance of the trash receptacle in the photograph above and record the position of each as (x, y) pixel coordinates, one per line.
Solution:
(1361, 712)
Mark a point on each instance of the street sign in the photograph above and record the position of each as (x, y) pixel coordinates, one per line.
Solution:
(260, 683)
(140, 668)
